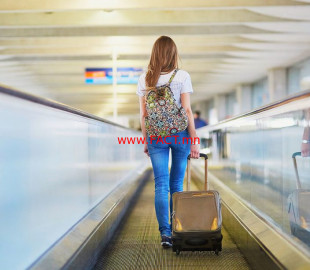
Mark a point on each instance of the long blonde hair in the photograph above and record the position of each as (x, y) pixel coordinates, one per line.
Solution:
(164, 58)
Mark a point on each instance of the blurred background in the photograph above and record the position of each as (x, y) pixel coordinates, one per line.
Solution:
(240, 54)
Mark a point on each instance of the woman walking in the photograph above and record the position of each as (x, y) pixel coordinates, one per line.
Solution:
(167, 122)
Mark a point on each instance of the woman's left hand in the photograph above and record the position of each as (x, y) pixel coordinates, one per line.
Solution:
(146, 150)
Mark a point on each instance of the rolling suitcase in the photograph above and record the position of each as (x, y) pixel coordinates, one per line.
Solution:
(196, 218)
(298, 208)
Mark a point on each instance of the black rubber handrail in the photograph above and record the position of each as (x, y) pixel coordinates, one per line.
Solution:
(281, 102)
(54, 104)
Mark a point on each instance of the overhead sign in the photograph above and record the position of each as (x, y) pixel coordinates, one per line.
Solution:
(126, 75)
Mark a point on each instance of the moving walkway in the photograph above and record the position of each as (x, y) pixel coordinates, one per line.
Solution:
(73, 198)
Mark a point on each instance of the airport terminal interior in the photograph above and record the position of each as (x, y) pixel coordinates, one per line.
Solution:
(77, 190)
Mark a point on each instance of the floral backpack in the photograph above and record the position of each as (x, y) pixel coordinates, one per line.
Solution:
(164, 116)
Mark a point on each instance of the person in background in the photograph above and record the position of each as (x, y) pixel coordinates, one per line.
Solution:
(305, 145)
(198, 121)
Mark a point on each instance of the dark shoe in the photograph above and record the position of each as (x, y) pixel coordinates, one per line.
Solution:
(166, 241)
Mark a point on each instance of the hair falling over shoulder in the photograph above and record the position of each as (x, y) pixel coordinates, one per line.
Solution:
(164, 58)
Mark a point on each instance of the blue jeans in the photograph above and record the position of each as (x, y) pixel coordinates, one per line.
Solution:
(159, 154)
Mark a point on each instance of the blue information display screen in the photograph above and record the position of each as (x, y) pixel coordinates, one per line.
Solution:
(125, 75)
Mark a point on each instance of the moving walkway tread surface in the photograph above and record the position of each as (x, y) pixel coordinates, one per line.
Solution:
(136, 245)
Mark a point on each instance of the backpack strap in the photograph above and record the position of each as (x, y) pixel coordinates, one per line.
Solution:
(172, 76)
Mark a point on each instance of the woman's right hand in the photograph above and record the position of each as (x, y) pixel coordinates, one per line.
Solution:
(195, 150)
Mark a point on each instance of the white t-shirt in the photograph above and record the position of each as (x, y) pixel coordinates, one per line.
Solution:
(180, 84)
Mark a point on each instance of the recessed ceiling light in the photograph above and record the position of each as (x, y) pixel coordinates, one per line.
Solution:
(108, 10)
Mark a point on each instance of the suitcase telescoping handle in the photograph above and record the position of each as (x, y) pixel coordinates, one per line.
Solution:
(189, 170)
(298, 185)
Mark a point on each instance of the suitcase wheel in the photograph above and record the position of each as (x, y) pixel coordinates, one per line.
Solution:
(217, 252)
(177, 251)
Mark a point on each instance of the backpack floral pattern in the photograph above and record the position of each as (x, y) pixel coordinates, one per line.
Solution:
(164, 118)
